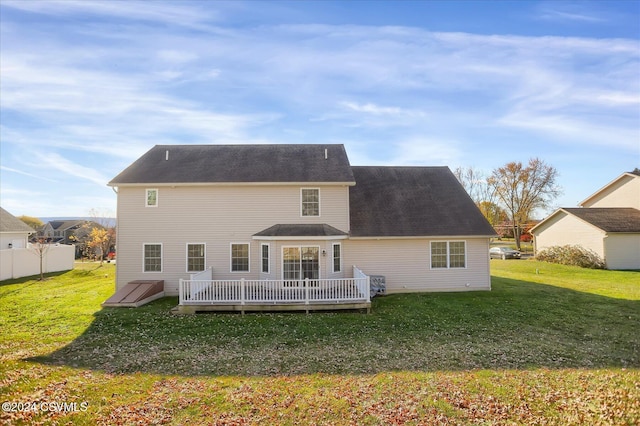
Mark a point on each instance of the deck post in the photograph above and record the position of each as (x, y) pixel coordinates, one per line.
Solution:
(180, 292)
(306, 291)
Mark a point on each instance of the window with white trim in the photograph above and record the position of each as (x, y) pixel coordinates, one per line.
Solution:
(264, 250)
(239, 257)
(152, 257)
(151, 197)
(448, 254)
(337, 257)
(310, 201)
(195, 257)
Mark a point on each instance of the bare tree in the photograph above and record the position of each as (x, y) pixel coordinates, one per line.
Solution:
(522, 189)
(481, 192)
(40, 248)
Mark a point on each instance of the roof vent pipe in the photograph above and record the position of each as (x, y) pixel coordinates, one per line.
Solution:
(326, 153)
(166, 157)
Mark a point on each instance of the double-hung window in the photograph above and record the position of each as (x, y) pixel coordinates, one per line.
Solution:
(151, 198)
(337, 257)
(265, 258)
(195, 257)
(310, 201)
(239, 257)
(152, 254)
(448, 254)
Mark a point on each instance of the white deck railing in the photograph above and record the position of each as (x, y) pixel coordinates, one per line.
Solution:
(273, 292)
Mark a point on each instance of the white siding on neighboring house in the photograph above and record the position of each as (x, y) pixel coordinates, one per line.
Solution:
(16, 239)
(406, 264)
(563, 229)
(622, 251)
(623, 192)
(215, 215)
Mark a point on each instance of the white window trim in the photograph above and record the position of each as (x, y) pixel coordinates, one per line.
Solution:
(333, 258)
(186, 256)
(319, 203)
(161, 258)
(231, 244)
(262, 245)
(448, 255)
(300, 248)
(146, 197)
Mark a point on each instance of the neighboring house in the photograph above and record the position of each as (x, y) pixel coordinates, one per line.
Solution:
(14, 233)
(62, 231)
(608, 223)
(275, 215)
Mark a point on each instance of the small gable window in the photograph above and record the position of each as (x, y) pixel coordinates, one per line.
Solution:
(151, 198)
(310, 201)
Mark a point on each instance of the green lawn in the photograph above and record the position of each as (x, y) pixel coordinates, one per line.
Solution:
(549, 344)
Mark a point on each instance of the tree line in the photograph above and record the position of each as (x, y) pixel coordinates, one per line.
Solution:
(512, 192)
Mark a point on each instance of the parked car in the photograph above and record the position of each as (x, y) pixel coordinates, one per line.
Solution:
(503, 253)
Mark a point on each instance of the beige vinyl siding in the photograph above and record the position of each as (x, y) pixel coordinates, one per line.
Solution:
(566, 229)
(406, 264)
(622, 251)
(216, 216)
(625, 192)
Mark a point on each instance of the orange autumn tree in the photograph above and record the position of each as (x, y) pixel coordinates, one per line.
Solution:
(101, 239)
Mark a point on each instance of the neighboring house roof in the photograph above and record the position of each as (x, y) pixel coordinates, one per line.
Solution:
(412, 201)
(169, 164)
(10, 223)
(63, 225)
(301, 230)
(626, 175)
(610, 220)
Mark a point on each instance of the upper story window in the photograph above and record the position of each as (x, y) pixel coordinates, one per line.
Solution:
(310, 201)
(151, 198)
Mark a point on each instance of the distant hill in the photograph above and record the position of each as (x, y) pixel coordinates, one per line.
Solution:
(109, 221)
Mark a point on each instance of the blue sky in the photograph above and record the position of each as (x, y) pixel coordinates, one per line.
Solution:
(88, 86)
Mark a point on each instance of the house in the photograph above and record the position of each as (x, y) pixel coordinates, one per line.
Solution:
(608, 223)
(295, 222)
(14, 233)
(62, 231)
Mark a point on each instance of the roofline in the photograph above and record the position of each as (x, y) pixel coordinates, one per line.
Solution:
(422, 237)
(112, 184)
(581, 204)
(563, 209)
(299, 238)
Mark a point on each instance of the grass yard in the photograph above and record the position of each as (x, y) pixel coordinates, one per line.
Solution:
(550, 344)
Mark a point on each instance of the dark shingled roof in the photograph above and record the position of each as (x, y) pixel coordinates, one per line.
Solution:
(301, 230)
(612, 219)
(238, 163)
(10, 223)
(412, 201)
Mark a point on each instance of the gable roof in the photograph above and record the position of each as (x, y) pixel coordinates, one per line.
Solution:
(63, 225)
(626, 175)
(176, 164)
(10, 223)
(412, 201)
(609, 219)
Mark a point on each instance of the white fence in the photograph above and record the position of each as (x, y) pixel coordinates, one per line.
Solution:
(24, 262)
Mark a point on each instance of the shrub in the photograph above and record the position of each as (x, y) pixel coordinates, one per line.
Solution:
(571, 255)
(526, 238)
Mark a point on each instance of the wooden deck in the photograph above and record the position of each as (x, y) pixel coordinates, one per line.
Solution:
(274, 295)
